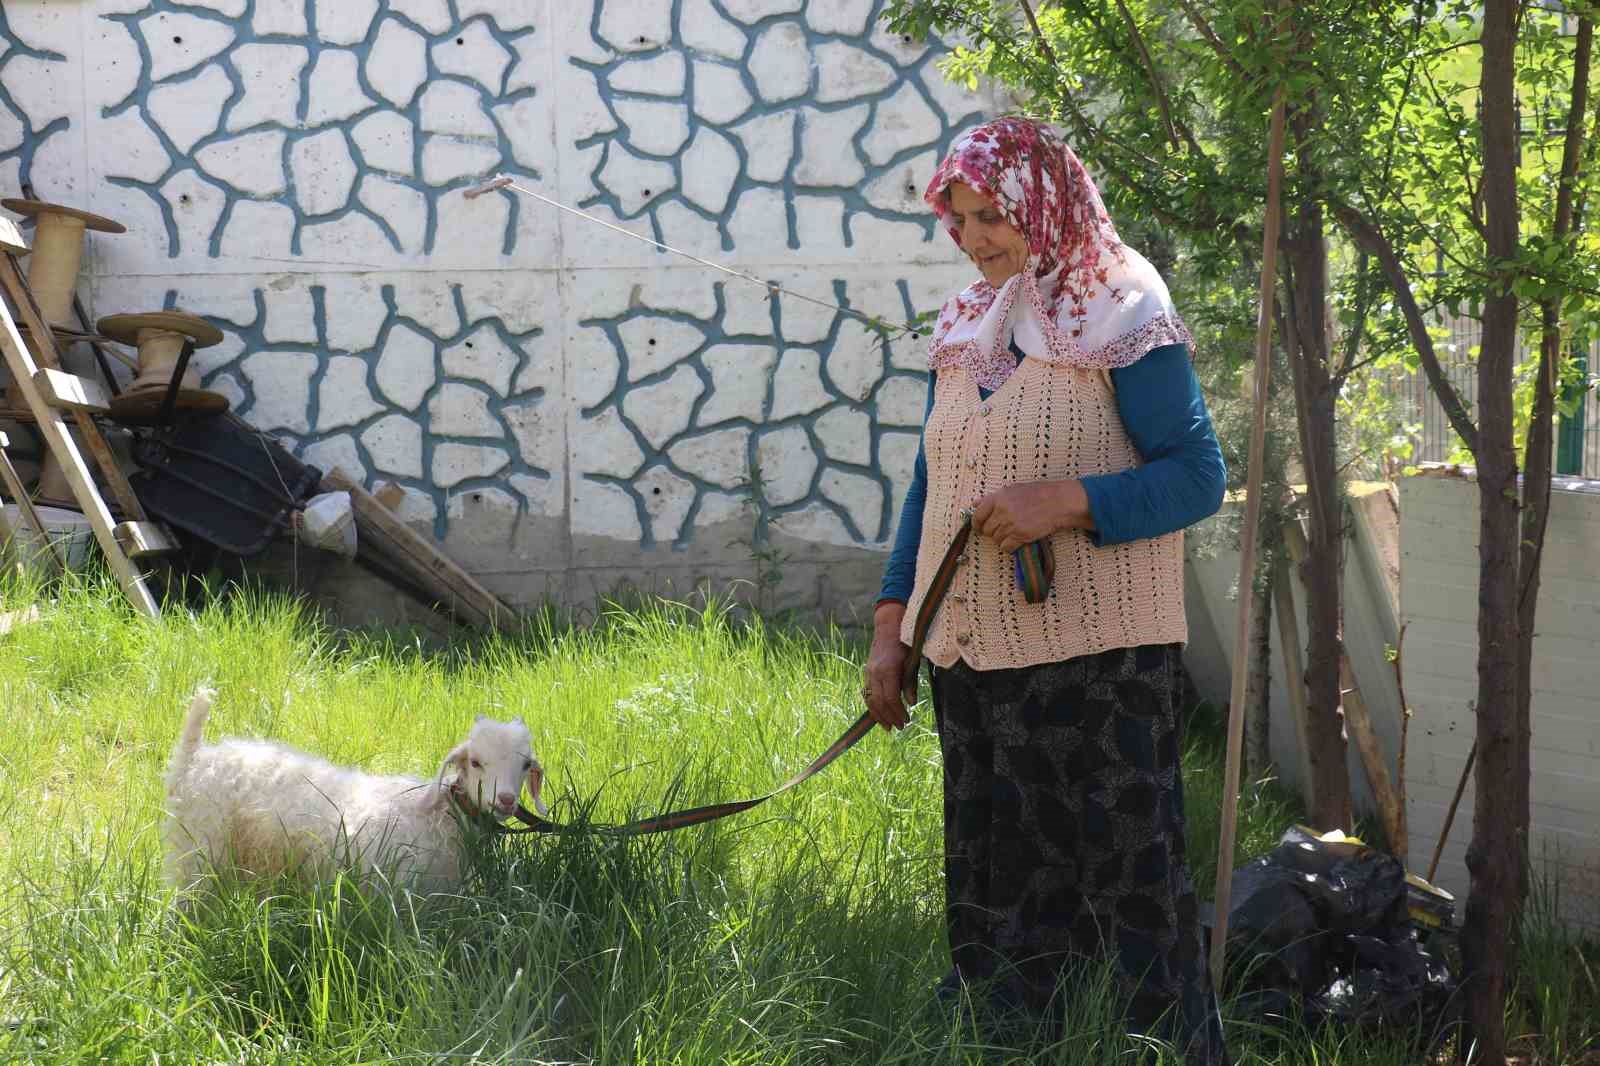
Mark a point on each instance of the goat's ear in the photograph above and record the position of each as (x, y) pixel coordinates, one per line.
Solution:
(457, 759)
(480, 718)
(535, 785)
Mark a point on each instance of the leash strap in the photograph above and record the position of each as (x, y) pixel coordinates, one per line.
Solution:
(661, 823)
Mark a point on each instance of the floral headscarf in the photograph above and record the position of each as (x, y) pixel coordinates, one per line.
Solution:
(1086, 299)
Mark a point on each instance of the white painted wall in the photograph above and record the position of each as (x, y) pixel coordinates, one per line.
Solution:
(1439, 601)
(1370, 629)
(565, 406)
(1424, 574)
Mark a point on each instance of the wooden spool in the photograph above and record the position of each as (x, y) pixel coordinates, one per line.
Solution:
(160, 336)
(57, 253)
(54, 489)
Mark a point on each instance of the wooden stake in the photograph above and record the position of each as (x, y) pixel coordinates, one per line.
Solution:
(1401, 785)
(1294, 670)
(1450, 815)
(1247, 549)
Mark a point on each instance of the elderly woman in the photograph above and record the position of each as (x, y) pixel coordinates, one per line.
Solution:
(1063, 414)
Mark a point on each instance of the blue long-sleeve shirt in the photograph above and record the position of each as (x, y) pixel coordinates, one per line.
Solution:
(1180, 482)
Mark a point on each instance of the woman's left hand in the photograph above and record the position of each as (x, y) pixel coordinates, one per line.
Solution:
(1021, 514)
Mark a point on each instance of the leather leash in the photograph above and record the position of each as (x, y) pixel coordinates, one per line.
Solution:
(661, 823)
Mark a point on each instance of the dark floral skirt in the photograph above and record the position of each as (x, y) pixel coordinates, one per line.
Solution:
(1064, 836)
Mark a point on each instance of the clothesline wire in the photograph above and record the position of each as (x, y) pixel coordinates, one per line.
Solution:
(504, 182)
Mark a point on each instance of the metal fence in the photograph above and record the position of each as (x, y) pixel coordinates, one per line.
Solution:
(1577, 442)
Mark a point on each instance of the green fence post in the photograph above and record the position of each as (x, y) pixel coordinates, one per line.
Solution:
(1569, 434)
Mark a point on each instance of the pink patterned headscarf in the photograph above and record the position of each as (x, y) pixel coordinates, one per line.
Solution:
(1083, 299)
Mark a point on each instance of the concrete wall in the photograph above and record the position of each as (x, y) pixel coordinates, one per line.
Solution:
(1417, 565)
(567, 408)
(1371, 606)
(1439, 601)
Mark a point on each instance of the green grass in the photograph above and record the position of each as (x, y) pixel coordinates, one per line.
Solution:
(806, 931)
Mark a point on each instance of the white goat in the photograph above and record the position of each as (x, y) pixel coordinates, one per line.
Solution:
(259, 809)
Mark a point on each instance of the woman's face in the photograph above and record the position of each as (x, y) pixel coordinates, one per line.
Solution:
(997, 247)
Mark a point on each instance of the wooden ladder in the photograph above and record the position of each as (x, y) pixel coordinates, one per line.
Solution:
(53, 395)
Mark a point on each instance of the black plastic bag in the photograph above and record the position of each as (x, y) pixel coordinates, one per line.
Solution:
(1292, 904)
(1323, 929)
(1389, 982)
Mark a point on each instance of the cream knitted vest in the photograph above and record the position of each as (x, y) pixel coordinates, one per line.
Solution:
(1047, 422)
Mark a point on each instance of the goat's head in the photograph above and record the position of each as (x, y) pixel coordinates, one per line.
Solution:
(492, 764)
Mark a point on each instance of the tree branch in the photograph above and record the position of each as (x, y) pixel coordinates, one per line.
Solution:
(1162, 103)
(1203, 28)
(1090, 131)
(1353, 367)
(1368, 236)
(1347, 362)
(1577, 115)
(1476, 197)
(1038, 36)
(1536, 463)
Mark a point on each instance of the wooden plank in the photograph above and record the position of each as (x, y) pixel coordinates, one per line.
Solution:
(20, 360)
(389, 561)
(389, 494)
(1391, 809)
(10, 620)
(140, 539)
(443, 572)
(30, 517)
(376, 545)
(69, 392)
(11, 239)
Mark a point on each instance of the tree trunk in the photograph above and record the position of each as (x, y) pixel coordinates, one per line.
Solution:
(1536, 463)
(1258, 690)
(1306, 341)
(1493, 856)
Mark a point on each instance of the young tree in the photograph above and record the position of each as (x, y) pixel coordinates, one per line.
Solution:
(1466, 203)
(1565, 224)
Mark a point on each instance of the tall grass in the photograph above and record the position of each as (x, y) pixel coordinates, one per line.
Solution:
(806, 931)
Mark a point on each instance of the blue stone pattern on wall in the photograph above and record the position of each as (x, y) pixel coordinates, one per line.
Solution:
(320, 116)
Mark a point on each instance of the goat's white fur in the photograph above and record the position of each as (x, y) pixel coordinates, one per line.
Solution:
(258, 809)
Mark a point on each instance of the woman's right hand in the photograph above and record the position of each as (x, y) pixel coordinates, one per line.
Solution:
(880, 688)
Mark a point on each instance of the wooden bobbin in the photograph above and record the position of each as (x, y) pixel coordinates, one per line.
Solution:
(160, 337)
(53, 485)
(57, 253)
(53, 489)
